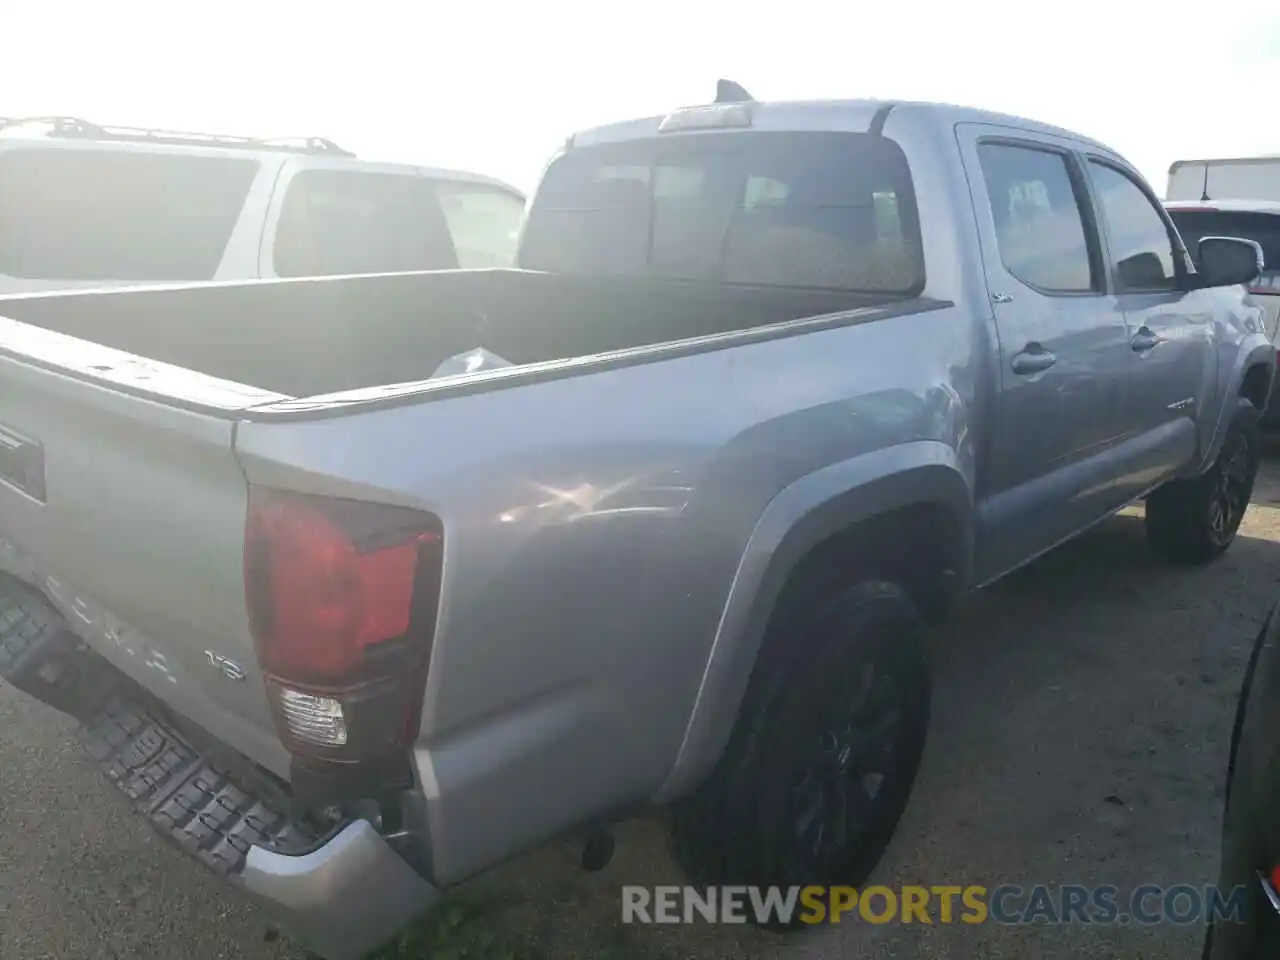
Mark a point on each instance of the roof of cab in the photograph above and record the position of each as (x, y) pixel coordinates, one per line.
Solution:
(854, 116)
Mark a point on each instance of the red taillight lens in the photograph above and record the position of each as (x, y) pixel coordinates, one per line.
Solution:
(342, 602)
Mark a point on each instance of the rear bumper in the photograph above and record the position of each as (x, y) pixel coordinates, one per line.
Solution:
(340, 891)
(344, 898)
(340, 894)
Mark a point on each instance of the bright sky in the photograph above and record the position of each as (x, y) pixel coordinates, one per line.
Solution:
(495, 87)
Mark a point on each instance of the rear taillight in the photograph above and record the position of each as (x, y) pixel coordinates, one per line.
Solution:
(342, 598)
(1268, 285)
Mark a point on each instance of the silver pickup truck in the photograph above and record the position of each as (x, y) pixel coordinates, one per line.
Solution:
(784, 381)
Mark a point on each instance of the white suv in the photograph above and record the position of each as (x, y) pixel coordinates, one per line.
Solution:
(84, 205)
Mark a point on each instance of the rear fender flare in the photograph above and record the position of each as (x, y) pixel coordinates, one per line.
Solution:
(798, 518)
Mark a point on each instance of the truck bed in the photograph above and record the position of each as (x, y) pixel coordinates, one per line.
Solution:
(309, 337)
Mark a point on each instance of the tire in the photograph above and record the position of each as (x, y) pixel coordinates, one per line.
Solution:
(841, 687)
(1194, 521)
(1237, 728)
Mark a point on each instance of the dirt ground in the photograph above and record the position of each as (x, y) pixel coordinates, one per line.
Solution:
(1081, 718)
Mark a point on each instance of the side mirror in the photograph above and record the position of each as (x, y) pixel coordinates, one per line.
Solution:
(1228, 262)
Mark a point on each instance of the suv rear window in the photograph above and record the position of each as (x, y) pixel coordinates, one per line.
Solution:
(1262, 228)
(77, 214)
(484, 221)
(345, 221)
(351, 221)
(825, 210)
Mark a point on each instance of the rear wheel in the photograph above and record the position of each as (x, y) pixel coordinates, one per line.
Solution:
(819, 770)
(1194, 521)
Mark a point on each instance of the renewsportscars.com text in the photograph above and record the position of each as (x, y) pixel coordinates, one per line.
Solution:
(973, 904)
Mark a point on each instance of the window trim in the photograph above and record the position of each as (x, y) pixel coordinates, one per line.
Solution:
(1099, 277)
(1182, 263)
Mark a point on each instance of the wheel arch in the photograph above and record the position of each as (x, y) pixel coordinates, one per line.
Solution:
(1251, 376)
(878, 495)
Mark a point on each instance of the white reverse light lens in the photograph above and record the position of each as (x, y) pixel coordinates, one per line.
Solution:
(313, 719)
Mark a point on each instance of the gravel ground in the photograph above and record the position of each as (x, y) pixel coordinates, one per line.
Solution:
(1081, 717)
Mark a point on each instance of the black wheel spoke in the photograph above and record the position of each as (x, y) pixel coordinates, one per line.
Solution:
(857, 727)
(1229, 494)
(814, 796)
(840, 813)
(859, 804)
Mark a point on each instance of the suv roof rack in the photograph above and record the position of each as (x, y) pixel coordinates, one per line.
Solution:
(73, 128)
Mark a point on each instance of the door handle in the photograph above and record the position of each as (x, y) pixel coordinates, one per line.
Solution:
(1033, 359)
(1145, 339)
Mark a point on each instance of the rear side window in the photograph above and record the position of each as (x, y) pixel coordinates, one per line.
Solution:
(345, 222)
(1262, 228)
(1039, 229)
(484, 222)
(117, 214)
(824, 210)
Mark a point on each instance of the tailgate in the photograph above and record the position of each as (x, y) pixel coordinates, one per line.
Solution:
(121, 499)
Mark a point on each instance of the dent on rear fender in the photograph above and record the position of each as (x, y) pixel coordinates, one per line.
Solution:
(801, 516)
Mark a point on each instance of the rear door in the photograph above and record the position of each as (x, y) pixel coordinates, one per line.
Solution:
(1063, 345)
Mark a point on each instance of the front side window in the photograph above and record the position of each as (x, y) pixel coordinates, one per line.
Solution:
(118, 215)
(1040, 232)
(832, 211)
(335, 222)
(1141, 248)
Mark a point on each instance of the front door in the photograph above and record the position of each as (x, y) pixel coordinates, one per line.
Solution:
(1172, 350)
(1063, 347)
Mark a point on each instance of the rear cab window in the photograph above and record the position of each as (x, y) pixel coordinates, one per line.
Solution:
(118, 215)
(826, 210)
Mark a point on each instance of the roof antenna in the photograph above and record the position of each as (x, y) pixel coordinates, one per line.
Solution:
(729, 92)
(1204, 193)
